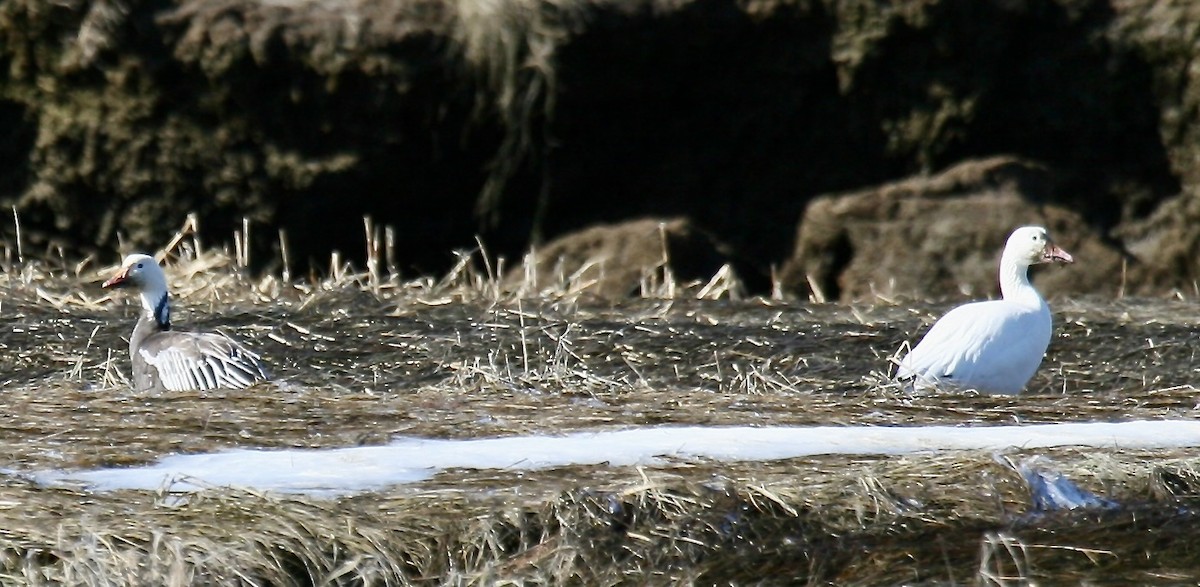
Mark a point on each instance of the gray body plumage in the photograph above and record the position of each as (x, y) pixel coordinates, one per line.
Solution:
(183, 361)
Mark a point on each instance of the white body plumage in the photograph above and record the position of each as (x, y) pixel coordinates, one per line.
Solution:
(994, 346)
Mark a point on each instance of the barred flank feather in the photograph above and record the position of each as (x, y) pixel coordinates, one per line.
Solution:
(201, 361)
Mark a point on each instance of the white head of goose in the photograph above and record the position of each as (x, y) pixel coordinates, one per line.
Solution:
(178, 361)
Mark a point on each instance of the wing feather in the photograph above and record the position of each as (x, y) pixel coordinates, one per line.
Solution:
(187, 361)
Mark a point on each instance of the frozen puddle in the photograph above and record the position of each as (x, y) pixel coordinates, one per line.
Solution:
(407, 460)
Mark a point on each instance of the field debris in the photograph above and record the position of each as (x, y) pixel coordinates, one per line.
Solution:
(363, 357)
(1051, 490)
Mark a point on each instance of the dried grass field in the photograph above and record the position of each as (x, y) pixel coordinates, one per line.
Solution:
(361, 358)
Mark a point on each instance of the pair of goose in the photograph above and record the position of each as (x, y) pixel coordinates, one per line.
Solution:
(993, 346)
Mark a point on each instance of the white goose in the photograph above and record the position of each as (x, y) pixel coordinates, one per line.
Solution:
(993, 346)
(178, 361)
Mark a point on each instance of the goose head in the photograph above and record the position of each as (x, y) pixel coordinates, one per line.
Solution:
(143, 273)
(1031, 245)
(138, 271)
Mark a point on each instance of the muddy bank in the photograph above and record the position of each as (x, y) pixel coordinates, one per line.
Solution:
(522, 121)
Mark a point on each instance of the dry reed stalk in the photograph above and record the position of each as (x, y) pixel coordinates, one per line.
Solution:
(17, 225)
(190, 227)
(374, 252)
(286, 274)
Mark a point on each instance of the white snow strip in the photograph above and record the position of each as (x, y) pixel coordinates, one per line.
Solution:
(407, 460)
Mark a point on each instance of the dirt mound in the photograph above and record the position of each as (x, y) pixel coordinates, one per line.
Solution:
(1167, 246)
(941, 234)
(619, 260)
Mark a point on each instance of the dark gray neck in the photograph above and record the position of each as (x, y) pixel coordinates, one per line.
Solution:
(162, 313)
(156, 309)
(156, 318)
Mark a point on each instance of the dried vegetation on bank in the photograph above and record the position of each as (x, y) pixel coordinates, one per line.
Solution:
(363, 356)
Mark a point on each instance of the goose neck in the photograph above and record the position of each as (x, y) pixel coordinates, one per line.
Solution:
(1014, 281)
(156, 307)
